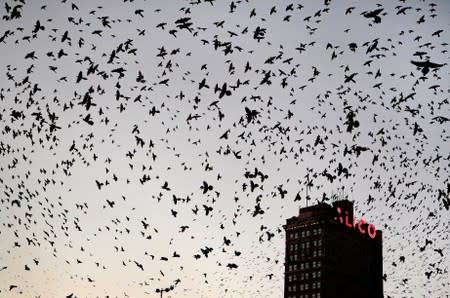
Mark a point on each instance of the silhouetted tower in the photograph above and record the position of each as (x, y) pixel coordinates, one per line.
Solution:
(329, 253)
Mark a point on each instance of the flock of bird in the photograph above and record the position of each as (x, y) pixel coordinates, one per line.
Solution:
(157, 147)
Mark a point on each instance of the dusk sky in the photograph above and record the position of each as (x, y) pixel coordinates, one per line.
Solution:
(149, 144)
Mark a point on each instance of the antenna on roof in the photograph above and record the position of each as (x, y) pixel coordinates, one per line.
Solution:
(339, 195)
(334, 197)
(308, 184)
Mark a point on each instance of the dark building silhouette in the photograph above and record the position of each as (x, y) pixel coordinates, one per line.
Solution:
(329, 253)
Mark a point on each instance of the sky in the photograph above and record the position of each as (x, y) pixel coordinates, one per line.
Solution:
(150, 144)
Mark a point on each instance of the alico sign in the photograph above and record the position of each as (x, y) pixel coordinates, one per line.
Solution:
(356, 224)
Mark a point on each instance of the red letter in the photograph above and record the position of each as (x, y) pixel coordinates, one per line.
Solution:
(361, 221)
(350, 225)
(371, 231)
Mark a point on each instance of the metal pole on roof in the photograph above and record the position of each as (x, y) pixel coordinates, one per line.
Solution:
(307, 185)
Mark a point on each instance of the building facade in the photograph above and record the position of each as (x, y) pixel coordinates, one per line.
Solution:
(330, 253)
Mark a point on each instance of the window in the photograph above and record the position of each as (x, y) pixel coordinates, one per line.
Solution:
(319, 274)
(313, 275)
(306, 286)
(307, 233)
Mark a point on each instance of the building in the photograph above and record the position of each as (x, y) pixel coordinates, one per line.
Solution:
(330, 253)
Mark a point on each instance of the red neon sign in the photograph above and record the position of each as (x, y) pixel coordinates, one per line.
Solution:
(356, 224)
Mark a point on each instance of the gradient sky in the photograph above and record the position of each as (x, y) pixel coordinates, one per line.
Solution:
(61, 234)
